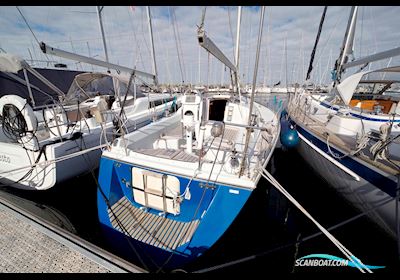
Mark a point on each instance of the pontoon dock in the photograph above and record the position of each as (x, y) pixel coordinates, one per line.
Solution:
(28, 243)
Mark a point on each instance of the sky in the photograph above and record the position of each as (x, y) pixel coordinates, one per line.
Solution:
(288, 36)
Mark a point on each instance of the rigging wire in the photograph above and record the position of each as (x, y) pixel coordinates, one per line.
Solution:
(131, 245)
(27, 24)
(310, 67)
(173, 19)
(138, 52)
(231, 32)
(179, 42)
(203, 17)
(339, 19)
(166, 61)
(286, 64)
(266, 70)
(362, 29)
(202, 195)
(250, 34)
(142, 33)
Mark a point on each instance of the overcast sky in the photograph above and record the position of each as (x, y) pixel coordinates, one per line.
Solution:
(76, 29)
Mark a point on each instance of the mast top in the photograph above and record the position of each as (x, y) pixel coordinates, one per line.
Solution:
(347, 46)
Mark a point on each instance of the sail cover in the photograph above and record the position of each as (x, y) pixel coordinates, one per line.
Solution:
(11, 63)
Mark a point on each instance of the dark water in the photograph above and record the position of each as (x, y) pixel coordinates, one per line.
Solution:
(263, 237)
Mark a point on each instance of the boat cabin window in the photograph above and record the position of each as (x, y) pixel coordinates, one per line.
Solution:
(89, 85)
(369, 89)
(123, 88)
(376, 96)
(159, 102)
(217, 110)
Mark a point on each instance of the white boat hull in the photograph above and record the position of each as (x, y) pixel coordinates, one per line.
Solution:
(48, 172)
(16, 162)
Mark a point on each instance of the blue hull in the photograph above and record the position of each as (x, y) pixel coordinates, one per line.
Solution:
(375, 190)
(213, 209)
(380, 181)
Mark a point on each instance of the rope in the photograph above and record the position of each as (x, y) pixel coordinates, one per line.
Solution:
(131, 245)
(126, 232)
(299, 241)
(46, 125)
(13, 122)
(362, 144)
(341, 247)
(297, 248)
(115, 216)
(202, 196)
(42, 151)
(380, 147)
(48, 162)
(397, 215)
(27, 174)
(122, 114)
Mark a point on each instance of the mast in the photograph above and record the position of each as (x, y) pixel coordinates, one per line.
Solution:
(30, 54)
(248, 132)
(199, 66)
(99, 10)
(87, 43)
(28, 85)
(347, 47)
(153, 55)
(222, 74)
(302, 58)
(237, 51)
(266, 56)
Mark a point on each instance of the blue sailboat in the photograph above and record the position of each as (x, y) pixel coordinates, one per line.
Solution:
(168, 191)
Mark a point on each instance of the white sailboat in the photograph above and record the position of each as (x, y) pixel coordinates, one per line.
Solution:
(44, 145)
(349, 135)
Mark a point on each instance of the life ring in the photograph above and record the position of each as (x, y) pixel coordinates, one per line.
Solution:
(22, 105)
